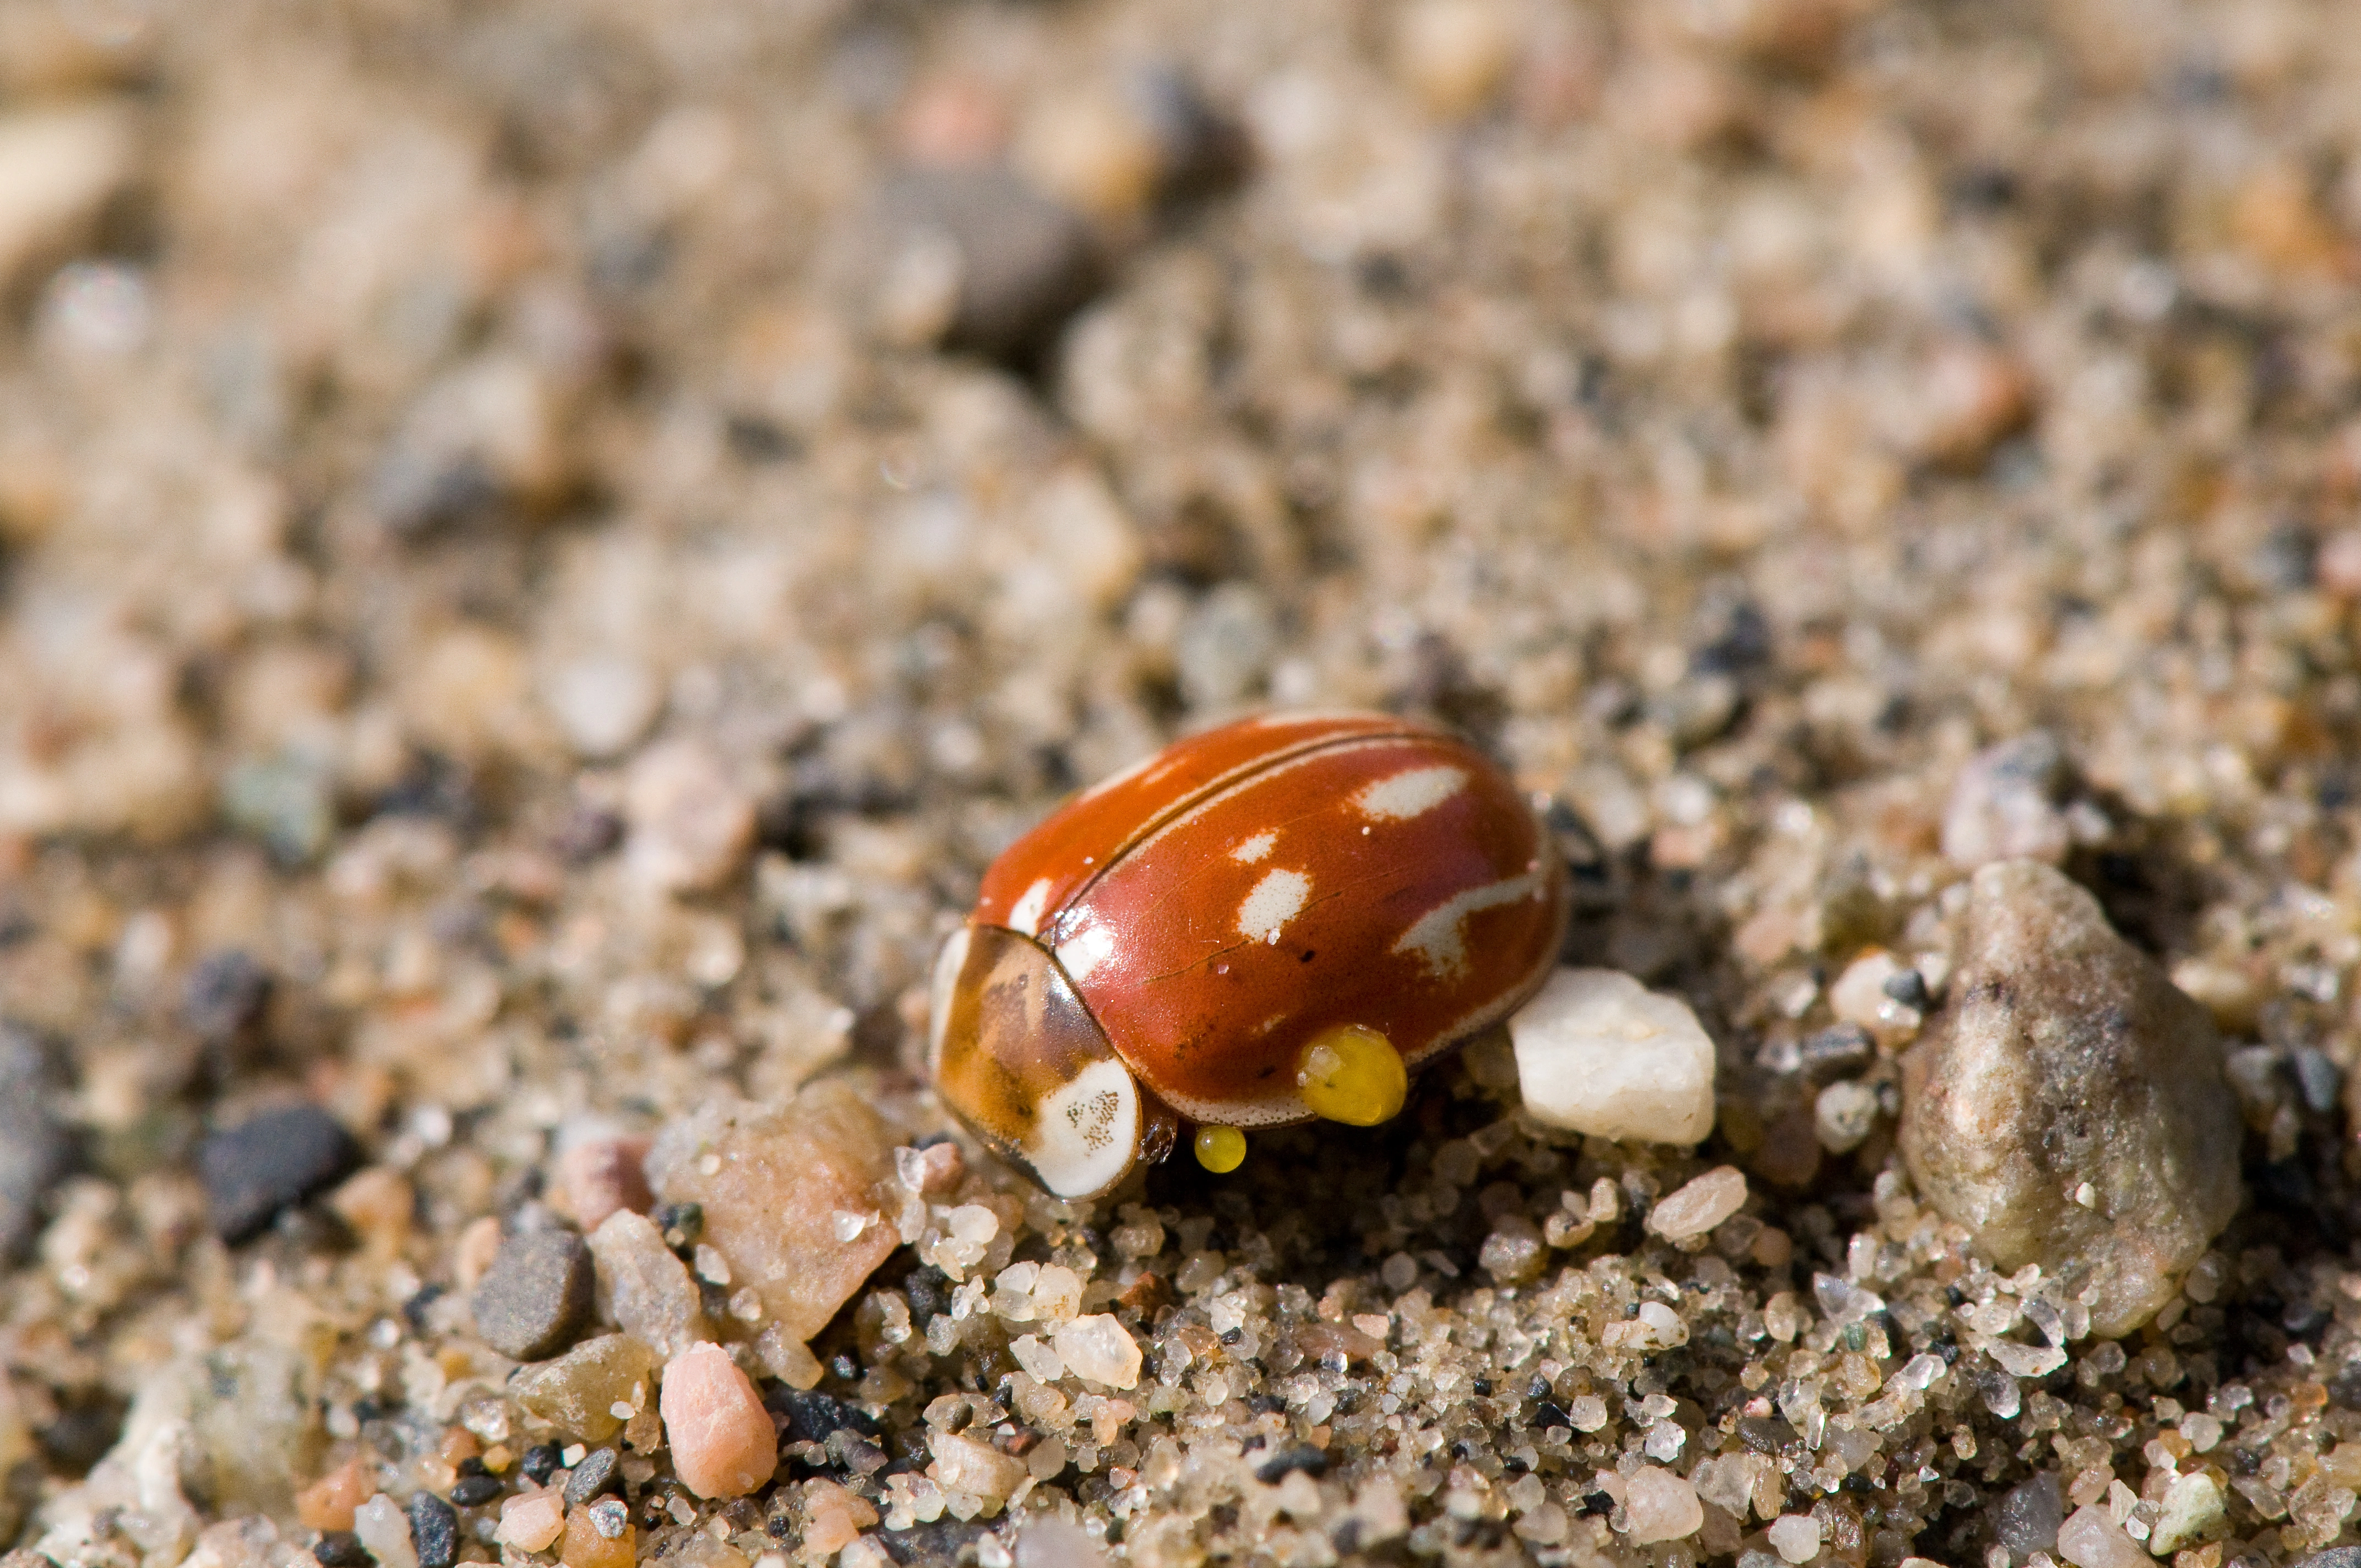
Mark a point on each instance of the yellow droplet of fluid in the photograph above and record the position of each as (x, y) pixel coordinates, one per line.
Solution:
(1221, 1149)
(1351, 1074)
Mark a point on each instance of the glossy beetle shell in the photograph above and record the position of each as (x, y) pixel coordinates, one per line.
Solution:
(1169, 942)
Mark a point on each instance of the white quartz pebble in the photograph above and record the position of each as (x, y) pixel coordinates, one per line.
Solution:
(384, 1531)
(2091, 1539)
(1048, 1542)
(1795, 1537)
(1700, 1204)
(1098, 1348)
(1599, 1053)
(1659, 1505)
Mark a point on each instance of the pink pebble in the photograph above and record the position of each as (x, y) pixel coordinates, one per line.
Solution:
(599, 1177)
(2338, 564)
(723, 1444)
(531, 1521)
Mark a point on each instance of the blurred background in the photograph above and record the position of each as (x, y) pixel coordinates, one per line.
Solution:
(542, 546)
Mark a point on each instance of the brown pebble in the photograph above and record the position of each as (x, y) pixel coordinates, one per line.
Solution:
(596, 1179)
(723, 1444)
(833, 1517)
(777, 1199)
(59, 165)
(577, 1393)
(937, 1168)
(1320, 1341)
(378, 1204)
(1790, 1154)
(473, 1251)
(1970, 398)
(2338, 564)
(329, 1502)
(1452, 54)
(951, 121)
(1145, 1296)
(691, 823)
(586, 1547)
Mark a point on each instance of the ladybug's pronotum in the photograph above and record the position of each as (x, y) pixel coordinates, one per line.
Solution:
(1270, 922)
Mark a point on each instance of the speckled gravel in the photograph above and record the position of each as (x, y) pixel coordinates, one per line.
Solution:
(544, 545)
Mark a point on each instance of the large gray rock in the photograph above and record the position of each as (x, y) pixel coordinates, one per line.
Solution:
(2069, 1105)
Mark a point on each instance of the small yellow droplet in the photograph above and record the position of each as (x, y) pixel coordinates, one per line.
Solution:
(1353, 1074)
(1221, 1149)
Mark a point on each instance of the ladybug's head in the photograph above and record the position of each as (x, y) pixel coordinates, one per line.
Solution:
(1021, 1062)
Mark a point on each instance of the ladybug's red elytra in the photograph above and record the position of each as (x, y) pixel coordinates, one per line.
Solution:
(1277, 920)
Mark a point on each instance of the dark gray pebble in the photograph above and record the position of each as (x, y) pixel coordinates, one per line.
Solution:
(2318, 1077)
(271, 1162)
(1287, 1461)
(847, 1450)
(225, 995)
(80, 1436)
(36, 1150)
(1026, 263)
(598, 1473)
(533, 1301)
(682, 1223)
(341, 1549)
(811, 1416)
(1909, 988)
(2029, 1516)
(1199, 150)
(1838, 1051)
(475, 1491)
(2340, 1557)
(542, 1461)
(434, 1530)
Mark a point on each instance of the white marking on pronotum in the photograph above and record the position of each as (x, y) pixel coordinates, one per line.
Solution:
(1254, 848)
(947, 965)
(1025, 918)
(1439, 936)
(1085, 951)
(1408, 795)
(1087, 1130)
(1277, 899)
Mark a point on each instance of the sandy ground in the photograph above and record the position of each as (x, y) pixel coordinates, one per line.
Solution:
(544, 547)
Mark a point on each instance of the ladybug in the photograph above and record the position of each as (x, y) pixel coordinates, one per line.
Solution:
(1273, 921)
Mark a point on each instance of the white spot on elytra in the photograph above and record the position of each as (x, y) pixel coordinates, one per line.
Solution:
(1439, 936)
(1254, 849)
(1407, 795)
(1277, 899)
(1085, 951)
(1087, 1130)
(1025, 918)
